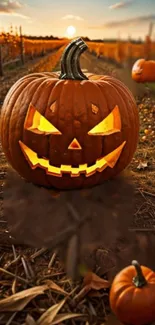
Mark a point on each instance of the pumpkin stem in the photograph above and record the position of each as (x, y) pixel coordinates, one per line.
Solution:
(70, 66)
(139, 280)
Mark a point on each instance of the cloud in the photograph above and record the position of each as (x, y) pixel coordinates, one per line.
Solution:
(14, 14)
(126, 22)
(9, 7)
(72, 17)
(121, 4)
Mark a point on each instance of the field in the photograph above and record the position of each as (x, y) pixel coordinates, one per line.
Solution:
(38, 270)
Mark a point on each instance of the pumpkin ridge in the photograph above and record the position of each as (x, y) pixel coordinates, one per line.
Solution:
(122, 286)
(5, 135)
(113, 91)
(86, 93)
(29, 85)
(59, 88)
(134, 121)
(130, 119)
(83, 94)
(122, 294)
(78, 89)
(43, 83)
(85, 104)
(104, 98)
(45, 86)
(11, 92)
(48, 138)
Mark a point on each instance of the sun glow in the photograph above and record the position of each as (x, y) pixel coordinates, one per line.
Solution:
(70, 31)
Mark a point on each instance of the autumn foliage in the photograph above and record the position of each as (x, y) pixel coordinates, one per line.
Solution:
(122, 51)
(11, 46)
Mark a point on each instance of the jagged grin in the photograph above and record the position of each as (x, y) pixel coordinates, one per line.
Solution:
(100, 164)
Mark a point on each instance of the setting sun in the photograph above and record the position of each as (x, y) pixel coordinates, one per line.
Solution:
(70, 31)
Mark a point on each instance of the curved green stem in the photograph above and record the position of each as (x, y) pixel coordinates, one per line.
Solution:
(70, 67)
(139, 280)
(76, 62)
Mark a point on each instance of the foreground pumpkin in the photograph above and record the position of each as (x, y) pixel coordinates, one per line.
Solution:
(143, 71)
(70, 130)
(132, 295)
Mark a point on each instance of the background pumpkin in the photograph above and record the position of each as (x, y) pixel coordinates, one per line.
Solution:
(56, 118)
(143, 71)
(132, 295)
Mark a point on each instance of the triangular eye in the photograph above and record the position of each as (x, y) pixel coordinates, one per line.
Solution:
(37, 123)
(111, 124)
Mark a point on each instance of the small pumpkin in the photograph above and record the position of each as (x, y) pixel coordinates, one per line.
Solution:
(143, 71)
(69, 130)
(132, 295)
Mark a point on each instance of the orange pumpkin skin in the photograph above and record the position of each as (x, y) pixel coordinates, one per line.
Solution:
(133, 305)
(73, 107)
(143, 71)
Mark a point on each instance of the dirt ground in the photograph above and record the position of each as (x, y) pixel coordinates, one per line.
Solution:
(23, 267)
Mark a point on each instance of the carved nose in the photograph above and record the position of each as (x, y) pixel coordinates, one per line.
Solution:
(74, 145)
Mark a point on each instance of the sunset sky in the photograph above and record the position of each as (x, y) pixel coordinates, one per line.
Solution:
(92, 18)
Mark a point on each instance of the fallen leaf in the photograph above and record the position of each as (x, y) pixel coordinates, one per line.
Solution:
(19, 300)
(97, 294)
(50, 314)
(54, 287)
(30, 320)
(62, 317)
(93, 281)
(142, 165)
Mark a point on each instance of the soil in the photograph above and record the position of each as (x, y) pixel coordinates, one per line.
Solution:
(35, 266)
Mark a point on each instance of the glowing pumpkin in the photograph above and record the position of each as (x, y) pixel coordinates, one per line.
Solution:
(69, 130)
(143, 71)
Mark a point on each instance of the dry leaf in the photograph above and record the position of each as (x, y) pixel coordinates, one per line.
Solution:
(97, 294)
(50, 314)
(29, 320)
(19, 300)
(62, 317)
(54, 287)
(142, 165)
(93, 281)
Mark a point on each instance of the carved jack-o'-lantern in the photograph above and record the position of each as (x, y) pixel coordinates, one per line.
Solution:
(69, 130)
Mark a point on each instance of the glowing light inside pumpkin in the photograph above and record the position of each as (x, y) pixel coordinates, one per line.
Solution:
(74, 145)
(37, 123)
(101, 163)
(111, 124)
